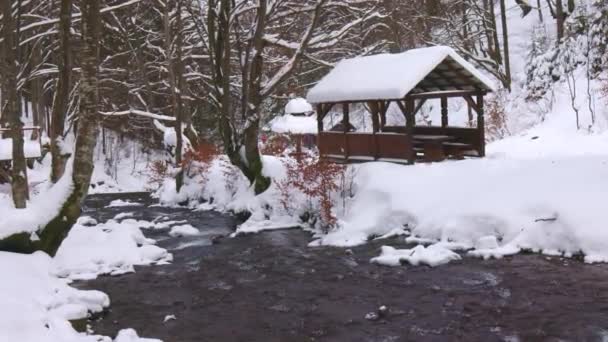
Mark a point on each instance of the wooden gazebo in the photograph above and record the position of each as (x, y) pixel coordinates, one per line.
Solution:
(408, 80)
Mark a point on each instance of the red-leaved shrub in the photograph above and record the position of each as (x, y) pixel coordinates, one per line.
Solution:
(197, 162)
(158, 171)
(316, 178)
(276, 145)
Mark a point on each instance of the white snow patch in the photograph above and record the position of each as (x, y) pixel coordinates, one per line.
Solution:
(184, 230)
(290, 124)
(130, 335)
(373, 77)
(108, 248)
(433, 255)
(121, 203)
(35, 306)
(298, 105)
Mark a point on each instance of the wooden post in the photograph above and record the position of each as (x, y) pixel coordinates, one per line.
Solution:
(481, 126)
(444, 112)
(320, 116)
(346, 126)
(409, 125)
(383, 109)
(374, 109)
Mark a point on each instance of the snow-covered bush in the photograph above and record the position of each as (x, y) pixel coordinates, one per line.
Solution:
(319, 181)
(496, 122)
(157, 172)
(276, 145)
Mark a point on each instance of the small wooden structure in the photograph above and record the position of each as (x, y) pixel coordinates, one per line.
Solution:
(31, 148)
(408, 80)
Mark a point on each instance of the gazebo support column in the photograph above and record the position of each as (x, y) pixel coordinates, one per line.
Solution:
(383, 109)
(481, 126)
(410, 122)
(374, 109)
(320, 116)
(346, 127)
(444, 112)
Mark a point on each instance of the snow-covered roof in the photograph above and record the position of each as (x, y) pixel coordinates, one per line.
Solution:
(290, 124)
(298, 105)
(393, 76)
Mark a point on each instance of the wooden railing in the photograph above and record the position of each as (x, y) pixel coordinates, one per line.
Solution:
(354, 146)
(31, 147)
(469, 136)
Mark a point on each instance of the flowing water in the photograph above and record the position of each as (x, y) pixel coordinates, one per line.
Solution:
(272, 287)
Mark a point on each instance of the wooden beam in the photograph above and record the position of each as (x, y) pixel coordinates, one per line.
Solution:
(320, 118)
(410, 122)
(346, 124)
(421, 103)
(472, 103)
(383, 110)
(440, 94)
(345, 117)
(374, 110)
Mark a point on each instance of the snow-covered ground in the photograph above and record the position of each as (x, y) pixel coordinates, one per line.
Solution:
(36, 300)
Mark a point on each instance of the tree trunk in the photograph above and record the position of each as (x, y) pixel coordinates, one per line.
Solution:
(571, 6)
(12, 108)
(560, 16)
(88, 128)
(505, 37)
(174, 67)
(55, 231)
(62, 93)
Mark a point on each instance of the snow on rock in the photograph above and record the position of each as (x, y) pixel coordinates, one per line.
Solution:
(130, 335)
(184, 230)
(433, 255)
(121, 203)
(35, 305)
(298, 105)
(108, 248)
(373, 77)
(290, 124)
(496, 253)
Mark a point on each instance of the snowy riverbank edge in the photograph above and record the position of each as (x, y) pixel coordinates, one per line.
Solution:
(526, 198)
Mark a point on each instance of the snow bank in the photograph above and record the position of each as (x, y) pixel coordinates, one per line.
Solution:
(108, 248)
(40, 210)
(35, 306)
(547, 205)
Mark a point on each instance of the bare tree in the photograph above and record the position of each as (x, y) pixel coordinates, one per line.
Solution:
(11, 107)
(62, 93)
(54, 232)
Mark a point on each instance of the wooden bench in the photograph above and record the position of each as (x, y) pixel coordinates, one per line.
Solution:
(457, 150)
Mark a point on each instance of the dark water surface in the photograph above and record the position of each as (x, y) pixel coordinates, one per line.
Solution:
(272, 287)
